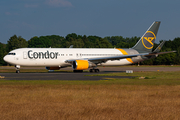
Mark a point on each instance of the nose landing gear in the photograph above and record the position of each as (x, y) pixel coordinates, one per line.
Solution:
(17, 68)
(17, 71)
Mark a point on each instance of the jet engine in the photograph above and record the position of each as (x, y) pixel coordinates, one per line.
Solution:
(82, 65)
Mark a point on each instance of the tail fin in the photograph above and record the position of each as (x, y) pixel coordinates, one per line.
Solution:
(146, 43)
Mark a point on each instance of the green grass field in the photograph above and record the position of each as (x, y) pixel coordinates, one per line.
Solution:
(157, 96)
(149, 78)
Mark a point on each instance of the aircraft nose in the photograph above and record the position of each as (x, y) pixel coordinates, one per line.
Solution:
(5, 58)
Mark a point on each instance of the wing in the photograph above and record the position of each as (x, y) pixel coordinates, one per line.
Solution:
(104, 59)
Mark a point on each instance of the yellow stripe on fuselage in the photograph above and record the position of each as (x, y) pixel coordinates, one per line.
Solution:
(125, 53)
(129, 59)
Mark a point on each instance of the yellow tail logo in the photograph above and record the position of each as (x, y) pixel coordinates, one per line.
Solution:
(148, 40)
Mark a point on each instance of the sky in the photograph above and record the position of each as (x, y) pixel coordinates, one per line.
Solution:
(127, 18)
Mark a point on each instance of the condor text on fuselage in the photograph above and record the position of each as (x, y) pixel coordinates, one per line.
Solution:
(41, 55)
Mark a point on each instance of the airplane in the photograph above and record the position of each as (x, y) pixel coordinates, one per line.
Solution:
(84, 58)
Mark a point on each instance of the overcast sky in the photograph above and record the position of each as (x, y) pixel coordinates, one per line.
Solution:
(127, 18)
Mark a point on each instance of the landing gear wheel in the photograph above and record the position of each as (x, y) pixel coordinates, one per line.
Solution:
(93, 70)
(17, 68)
(17, 71)
(96, 70)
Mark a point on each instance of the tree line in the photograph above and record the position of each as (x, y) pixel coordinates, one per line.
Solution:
(79, 41)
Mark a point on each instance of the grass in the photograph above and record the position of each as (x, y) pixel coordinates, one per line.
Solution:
(150, 78)
(11, 69)
(89, 102)
(155, 97)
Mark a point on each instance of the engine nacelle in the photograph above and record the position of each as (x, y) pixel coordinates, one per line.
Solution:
(53, 68)
(80, 65)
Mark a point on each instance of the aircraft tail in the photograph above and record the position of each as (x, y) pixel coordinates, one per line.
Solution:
(146, 43)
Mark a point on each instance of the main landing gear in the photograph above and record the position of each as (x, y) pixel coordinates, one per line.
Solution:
(94, 70)
(17, 68)
(91, 71)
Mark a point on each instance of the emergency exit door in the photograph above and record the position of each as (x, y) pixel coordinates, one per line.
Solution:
(25, 55)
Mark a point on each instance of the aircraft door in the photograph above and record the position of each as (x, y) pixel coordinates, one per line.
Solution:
(25, 55)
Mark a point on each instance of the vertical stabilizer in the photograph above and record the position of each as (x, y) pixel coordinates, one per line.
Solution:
(146, 43)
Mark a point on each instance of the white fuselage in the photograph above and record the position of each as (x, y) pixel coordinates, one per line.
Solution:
(58, 56)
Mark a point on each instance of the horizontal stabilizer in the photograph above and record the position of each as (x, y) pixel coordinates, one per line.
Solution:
(159, 53)
(159, 47)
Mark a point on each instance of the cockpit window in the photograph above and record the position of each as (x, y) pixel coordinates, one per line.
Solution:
(11, 53)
